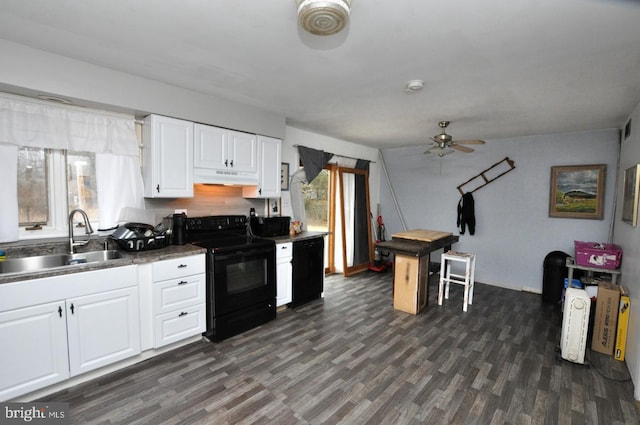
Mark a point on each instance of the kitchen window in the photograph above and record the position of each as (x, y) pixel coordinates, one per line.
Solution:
(54, 158)
(52, 182)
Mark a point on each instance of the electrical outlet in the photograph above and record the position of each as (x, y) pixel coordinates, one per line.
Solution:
(178, 211)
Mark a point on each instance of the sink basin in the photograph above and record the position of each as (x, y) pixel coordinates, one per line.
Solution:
(43, 262)
(93, 256)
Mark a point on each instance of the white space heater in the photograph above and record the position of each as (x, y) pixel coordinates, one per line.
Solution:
(575, 324)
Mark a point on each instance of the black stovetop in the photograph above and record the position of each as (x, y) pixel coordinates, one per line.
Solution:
(223, 233)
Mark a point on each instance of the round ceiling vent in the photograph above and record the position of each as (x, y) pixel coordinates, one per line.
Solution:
(323, 17)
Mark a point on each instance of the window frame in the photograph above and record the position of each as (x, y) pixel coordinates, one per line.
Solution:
(58, 225)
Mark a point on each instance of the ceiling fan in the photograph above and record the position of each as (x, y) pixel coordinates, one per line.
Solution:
(444, 143)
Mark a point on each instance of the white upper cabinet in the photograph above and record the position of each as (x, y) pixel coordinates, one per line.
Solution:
(167, 158)
(243, 155)
(211, 147)
(269, 157)
(224, 156)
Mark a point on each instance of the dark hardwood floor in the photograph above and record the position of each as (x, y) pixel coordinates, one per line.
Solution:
(350, 358)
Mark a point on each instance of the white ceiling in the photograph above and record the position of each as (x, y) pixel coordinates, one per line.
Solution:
(494, 68)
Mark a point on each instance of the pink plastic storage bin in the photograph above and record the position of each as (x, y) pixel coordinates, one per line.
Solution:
(600, 255)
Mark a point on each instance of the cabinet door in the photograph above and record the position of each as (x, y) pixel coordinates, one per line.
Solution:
(168, 157)
(243, 152)
(211, 147)
(103, 328)
(284, 275)
(34, 349)
(269, 165)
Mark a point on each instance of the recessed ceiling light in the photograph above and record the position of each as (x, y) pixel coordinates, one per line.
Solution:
(414, 86)
(54, 99)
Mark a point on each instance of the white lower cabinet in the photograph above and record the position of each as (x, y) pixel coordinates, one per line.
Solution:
(58, 327)
(284, 273)
(179, 306)
(102, 329)
(34, 349)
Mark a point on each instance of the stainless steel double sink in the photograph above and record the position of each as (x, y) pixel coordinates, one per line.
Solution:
(44, 262)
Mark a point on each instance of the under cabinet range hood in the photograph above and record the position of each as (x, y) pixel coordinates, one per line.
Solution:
(211, 176)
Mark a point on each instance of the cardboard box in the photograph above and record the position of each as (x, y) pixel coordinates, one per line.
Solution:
(606, 318)
(599, 255)
(623, 322)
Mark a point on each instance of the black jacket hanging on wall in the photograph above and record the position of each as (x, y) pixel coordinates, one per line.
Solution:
(466, 214)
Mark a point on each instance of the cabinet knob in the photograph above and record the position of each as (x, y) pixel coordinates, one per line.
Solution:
(60, 311)
(232, 163)
(182, 282)
(182, 266)
(184, 313)
(72, 308)
(226, 162)
(158, 188)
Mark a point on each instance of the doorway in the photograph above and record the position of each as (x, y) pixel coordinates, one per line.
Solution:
(319, 198)
(337, 202)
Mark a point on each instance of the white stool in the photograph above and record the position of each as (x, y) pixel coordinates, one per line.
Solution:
(446, 277)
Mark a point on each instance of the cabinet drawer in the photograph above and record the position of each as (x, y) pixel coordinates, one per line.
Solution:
(179, 324)
(174, 294)
(178, 267)
(284, 251)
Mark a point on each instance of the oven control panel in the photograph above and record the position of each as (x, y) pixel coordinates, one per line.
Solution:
(216, 223)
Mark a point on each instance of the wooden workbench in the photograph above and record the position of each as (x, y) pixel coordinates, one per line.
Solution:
(412, 251)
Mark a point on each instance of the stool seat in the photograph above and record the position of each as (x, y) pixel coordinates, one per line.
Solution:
(466, 279)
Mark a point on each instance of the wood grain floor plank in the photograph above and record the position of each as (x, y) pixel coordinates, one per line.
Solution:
(350, 358)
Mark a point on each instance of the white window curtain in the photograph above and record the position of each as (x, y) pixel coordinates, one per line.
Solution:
(297, 202)
(9, 193)
(29, 122)
(34, 123)
(119, 185)
(348, 185)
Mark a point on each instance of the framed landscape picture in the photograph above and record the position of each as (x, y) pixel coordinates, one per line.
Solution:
(577, 191)
(631, 189)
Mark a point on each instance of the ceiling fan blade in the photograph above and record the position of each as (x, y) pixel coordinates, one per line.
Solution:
(461, 148)
(470, 142)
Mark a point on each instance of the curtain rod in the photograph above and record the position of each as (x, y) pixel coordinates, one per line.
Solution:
(345, 156)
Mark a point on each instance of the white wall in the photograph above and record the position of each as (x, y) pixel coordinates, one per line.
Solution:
(514, 232)
(628, 238)
(30, 72)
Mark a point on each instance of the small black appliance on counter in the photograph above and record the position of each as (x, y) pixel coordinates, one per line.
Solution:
(270, 226)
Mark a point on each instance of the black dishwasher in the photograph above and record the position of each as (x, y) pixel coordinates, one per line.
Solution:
(308, 270)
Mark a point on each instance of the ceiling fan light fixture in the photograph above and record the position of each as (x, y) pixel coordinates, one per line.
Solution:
(323, 17)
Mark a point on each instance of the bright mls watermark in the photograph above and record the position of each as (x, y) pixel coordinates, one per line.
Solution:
(41, 413)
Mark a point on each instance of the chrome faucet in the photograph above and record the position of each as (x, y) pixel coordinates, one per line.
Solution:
(87, 229)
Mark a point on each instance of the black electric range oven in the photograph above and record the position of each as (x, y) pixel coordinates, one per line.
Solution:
(241, 274)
